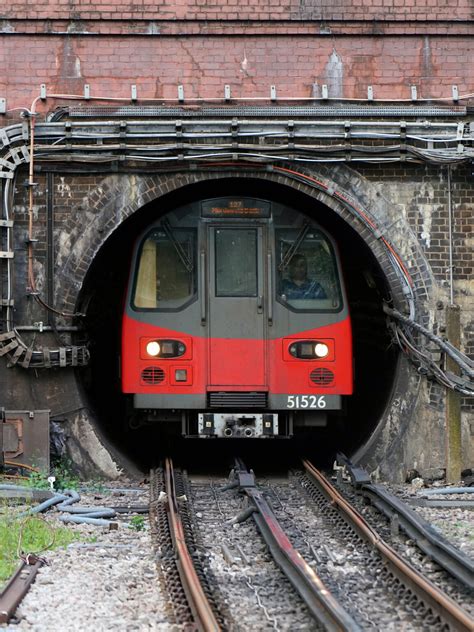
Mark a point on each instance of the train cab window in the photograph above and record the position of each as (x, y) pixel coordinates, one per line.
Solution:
(307, 271)
(165, 270)
(236, 262)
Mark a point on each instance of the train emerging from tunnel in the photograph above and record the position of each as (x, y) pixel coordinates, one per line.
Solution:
(236, 322)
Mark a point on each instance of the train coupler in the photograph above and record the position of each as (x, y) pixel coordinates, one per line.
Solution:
(238, 425)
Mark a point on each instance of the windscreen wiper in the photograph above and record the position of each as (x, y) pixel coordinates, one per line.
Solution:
(186, 261)
(293, 248)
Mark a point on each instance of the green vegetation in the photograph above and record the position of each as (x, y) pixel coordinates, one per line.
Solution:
(137, 523)
(63, 474)
(28, 535)
(37, 480)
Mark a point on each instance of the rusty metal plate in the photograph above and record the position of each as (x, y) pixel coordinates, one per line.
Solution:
(24, 437)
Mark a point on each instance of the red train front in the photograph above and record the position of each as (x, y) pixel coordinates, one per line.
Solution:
(236, 321)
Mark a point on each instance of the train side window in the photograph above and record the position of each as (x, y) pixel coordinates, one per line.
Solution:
(165, 276)
(307, 273)
(236, 262)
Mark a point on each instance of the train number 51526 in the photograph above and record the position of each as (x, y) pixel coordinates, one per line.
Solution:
(306, 401)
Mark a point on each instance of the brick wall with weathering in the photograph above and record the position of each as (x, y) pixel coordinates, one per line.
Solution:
(421, 193)
(399, 10)
(298, 46)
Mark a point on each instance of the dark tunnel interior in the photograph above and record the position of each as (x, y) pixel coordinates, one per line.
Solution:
(375, 359)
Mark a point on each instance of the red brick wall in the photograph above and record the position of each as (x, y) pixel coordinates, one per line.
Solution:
(241, 9)
(347, 64)
(249, 44)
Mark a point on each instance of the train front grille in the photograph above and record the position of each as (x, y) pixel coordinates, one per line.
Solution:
(226, 399)
(153, 375)
(322, 377)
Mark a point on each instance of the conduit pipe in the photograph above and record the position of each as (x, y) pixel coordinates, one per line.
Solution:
(450, 237)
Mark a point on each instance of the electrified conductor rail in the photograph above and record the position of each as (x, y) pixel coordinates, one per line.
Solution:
(321, 603)
(426, 537)
(428, 593)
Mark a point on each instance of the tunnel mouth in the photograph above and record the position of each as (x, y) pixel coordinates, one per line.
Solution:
(102, 300)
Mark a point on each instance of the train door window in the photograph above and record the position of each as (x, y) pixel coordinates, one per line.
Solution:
(165, 270)
(236, 261)
(307, 273)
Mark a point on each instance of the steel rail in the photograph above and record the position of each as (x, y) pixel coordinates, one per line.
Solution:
(443, 605)
(426, 537)
(321, 603)
(198, 602)
(17, 587)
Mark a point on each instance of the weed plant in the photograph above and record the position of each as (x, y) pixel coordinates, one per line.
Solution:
(28, 535)
(63, 474)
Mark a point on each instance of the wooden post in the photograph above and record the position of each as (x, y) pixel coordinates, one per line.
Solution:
(453, 401)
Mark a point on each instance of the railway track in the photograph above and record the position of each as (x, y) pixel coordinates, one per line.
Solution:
(181, 564)
(230, 560)
(426, 600)
(17, 587)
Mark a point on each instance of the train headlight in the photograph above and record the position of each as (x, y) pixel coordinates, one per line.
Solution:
(153, 348)
(321, 350)
(312, 349)
(163, 348)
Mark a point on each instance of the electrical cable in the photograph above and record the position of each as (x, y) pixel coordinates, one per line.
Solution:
(220, 154)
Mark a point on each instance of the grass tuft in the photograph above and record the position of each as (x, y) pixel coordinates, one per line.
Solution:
(28, 535)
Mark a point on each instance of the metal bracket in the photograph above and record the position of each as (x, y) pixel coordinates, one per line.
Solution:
(133, 92)
(43, 92)
(273, 93)
(87, 91)
(414, 93)
(181, 94)
(324, 91)
(3, 105)
(4, 137)
(370, 93)
(455, 93)
(227, 92)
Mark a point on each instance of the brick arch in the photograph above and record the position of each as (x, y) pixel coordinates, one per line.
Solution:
(119, 196)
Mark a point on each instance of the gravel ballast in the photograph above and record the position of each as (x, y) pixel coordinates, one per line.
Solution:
(108, 579)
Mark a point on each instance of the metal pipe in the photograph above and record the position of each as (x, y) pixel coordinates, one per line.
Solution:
(40, 327)
(50, 244)
(450, 237)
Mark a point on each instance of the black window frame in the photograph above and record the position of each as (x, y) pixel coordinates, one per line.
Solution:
(194, 295)
(310, 310)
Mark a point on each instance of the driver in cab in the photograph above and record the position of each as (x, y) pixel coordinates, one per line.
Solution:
(298, 285)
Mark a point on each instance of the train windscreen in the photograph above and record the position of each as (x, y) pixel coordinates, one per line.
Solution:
(165, 270)
(307, 274)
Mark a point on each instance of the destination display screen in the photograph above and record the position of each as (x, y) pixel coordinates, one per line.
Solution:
(234, 208)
